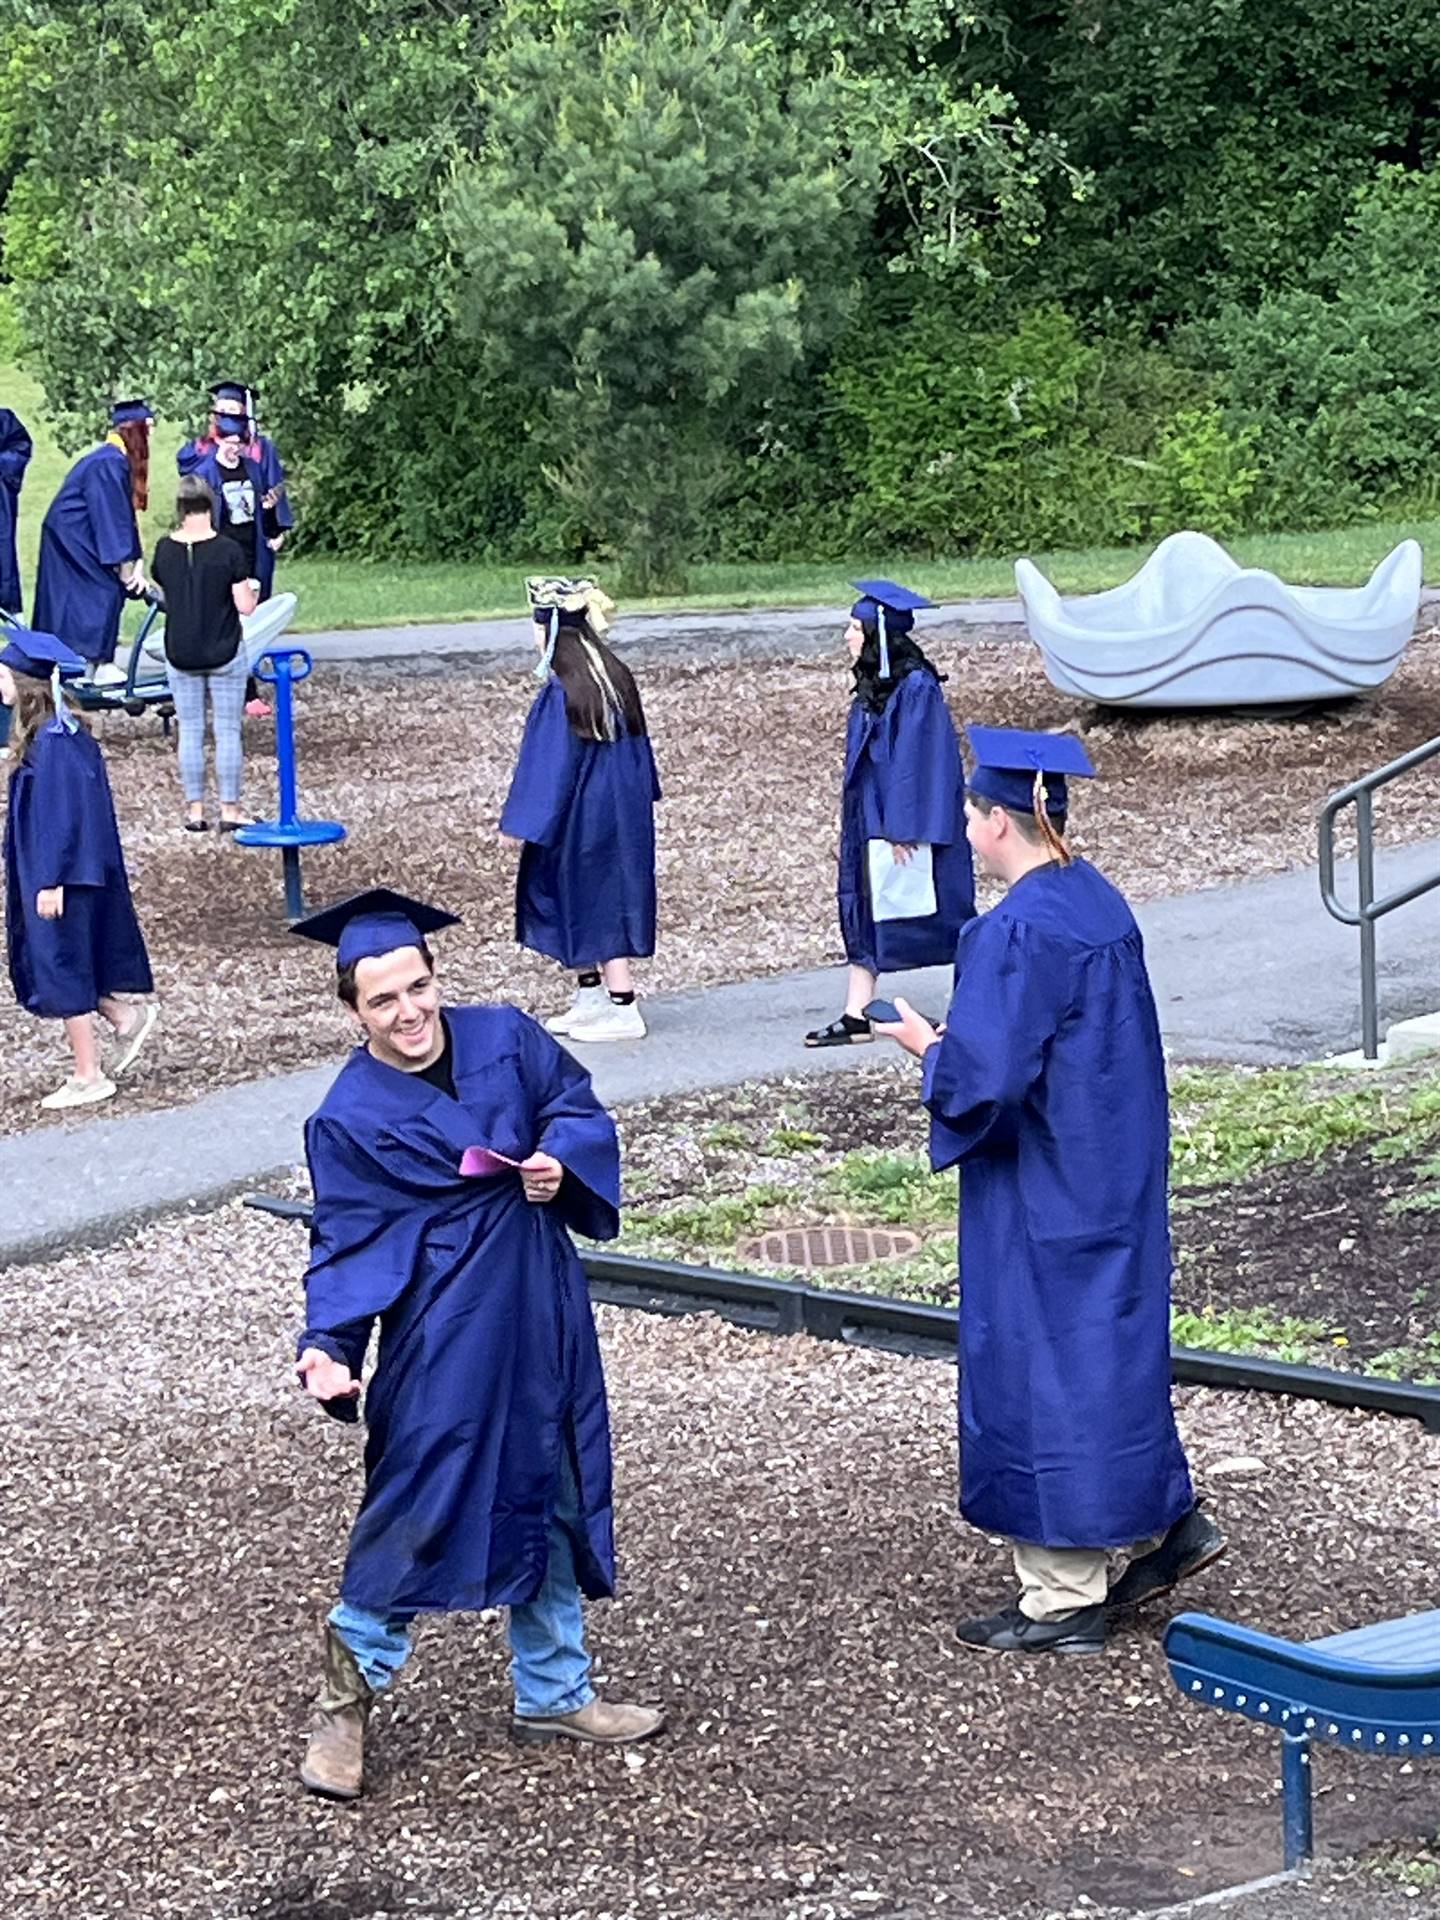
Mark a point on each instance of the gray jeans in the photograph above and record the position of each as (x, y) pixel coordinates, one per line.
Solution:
(227, 710)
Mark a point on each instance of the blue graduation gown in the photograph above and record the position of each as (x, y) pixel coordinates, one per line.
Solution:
(272, 474)
(585, 891)
(904, 782)
(488, 1362)
(209, 469)
(1048, 1088)
(15, 450)
(88, 532)
(60, 831)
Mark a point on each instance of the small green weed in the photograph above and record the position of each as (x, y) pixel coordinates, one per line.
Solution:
(893, 1189)
(726, 1134)
(791, 1140)
(1252, 1330)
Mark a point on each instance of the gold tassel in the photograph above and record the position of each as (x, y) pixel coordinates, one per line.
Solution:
(1058, 849)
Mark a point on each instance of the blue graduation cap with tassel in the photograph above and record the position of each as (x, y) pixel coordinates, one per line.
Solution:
(891, 607)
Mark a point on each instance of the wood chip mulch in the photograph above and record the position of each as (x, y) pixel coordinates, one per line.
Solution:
(792, 1565)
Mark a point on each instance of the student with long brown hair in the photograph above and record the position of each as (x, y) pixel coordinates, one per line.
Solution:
(90, 539)
(74, 942)
(582, 801)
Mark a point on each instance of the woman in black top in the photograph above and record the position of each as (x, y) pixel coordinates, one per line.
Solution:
(207, 584)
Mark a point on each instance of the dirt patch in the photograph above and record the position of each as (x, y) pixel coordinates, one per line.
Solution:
(416, 765)
(792, 1569)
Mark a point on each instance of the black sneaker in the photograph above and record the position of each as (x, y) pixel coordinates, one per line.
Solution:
(1192, 1543)
(847, 1031)
(1015, 1632)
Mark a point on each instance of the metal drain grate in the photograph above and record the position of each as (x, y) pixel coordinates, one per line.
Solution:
(810, 1247)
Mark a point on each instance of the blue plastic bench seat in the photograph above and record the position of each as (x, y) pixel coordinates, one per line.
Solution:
(1374, 1688)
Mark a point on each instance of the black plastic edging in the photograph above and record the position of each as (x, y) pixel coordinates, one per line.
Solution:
(905, 1326)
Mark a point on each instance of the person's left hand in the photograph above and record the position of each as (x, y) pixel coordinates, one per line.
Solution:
(276, 542)
(904, 852)
(50, 903)
(912, 1030)
(540, 1176)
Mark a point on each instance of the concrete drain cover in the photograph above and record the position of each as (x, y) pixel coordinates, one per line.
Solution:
(809, 1247)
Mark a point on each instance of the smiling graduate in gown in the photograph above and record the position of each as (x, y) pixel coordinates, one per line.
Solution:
(902, 810)
(90, 539)
(1047, 1089)
(487, 1459)
(234, 406)
(73, 939)
(582, 803)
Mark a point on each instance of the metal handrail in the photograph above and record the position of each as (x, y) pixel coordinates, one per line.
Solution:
(1368, 909)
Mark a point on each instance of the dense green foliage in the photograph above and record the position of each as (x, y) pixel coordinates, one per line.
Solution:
(564, 277)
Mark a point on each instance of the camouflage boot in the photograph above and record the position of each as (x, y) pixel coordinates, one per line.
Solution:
(334, 1763)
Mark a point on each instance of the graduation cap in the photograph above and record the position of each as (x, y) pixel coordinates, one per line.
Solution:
(237, 391)
(1023, 771)
(43, 656)
(39, 655)
(891, 608)
(127, 413)
(371, 923)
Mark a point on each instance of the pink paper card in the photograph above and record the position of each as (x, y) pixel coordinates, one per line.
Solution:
(480, 1163)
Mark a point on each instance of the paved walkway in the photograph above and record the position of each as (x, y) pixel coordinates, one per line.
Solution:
(795, 629)
(1257, 974)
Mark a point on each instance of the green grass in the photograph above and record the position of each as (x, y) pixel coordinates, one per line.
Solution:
(1227, 1122)
(337, 593)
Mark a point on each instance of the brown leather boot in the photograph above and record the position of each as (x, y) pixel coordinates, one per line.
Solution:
(600, 1724)
(334, 1762)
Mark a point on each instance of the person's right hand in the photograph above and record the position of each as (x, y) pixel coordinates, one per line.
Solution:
(50, 903)
(324, 1378)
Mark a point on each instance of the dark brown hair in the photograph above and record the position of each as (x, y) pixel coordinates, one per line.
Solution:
(601, 697)
(194, 495)
(345, 976)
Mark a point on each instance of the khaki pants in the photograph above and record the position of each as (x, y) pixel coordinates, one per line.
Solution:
(1060, 1580)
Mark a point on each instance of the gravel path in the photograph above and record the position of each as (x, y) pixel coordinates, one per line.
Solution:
(417, 764)
(175, 1518)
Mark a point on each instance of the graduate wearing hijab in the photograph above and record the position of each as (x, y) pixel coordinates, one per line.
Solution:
(906, 885)
(451, 1160)
(582, 802)
(1047, 1088)
(90, 539)
(235, 404)
(74, 942)
(16, 448)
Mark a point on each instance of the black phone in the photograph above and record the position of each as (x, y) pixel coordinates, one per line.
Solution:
(882, 1010)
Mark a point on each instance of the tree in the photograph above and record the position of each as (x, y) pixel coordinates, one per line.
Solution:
(652, 240)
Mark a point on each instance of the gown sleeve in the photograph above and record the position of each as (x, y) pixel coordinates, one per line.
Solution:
(16, 447)
(572, 1125)
(105, 487)
(1012, 995)
(544, 778)
(272, 472)
(918, 760)
(189, 457)
(63, 834)
(365, 1242)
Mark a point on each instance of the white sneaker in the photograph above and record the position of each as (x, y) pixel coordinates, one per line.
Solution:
(587, 1003)
(79, 1093)
(131, 1042)
(610, 1023)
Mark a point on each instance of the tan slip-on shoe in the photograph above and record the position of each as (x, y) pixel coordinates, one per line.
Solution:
(79, 1093)
(603, 1723)
(334, 1763)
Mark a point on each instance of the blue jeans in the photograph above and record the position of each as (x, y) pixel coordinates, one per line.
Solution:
(550, 1668)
